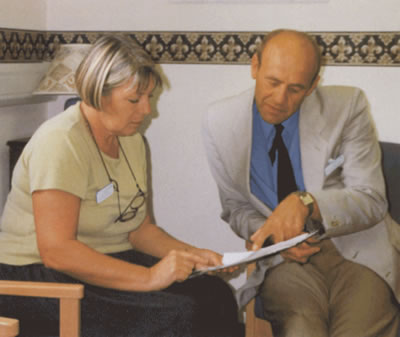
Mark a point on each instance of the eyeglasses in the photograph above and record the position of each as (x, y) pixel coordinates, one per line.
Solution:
(131, 210)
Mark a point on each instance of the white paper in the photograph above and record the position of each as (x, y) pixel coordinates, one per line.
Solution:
(237, 258)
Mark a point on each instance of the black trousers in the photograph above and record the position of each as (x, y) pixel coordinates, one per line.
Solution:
(202, 306)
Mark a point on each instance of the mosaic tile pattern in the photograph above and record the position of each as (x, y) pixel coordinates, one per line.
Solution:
(338, 48)
(22, 45)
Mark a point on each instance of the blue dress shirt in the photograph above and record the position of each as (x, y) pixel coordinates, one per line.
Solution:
(263, 175)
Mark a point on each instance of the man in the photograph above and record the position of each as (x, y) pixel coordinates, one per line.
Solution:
(342, 283)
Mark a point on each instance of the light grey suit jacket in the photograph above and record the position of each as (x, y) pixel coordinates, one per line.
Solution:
(334, 122)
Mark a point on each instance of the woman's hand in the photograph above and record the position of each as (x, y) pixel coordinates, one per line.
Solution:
(213, 259)
(176, 266)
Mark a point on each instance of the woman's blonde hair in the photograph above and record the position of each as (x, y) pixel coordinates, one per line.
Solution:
(111, 62)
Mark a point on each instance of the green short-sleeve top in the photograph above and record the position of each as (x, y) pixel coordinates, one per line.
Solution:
(62, 155)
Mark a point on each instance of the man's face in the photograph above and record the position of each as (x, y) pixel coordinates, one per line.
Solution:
(284, 77)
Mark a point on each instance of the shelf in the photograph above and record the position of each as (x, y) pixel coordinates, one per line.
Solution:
(18, 81)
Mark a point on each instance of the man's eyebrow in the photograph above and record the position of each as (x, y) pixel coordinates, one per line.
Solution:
(272, 78)
(296, 85)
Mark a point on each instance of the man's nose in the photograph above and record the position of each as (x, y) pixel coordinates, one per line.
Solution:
(280, 96)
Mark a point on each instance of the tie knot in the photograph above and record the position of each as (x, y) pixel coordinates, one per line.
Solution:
(278, 129)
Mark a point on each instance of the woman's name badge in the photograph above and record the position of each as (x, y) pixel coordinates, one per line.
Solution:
(104, 193)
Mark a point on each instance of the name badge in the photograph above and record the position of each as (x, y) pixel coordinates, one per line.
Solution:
(104, 193)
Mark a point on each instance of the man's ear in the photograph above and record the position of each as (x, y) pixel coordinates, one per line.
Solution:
(254, 66)
(313, 85)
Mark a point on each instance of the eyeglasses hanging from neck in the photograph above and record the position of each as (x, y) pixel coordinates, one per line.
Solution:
(138, 199)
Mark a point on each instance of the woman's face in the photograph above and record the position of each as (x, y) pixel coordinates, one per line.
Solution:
(125, 109)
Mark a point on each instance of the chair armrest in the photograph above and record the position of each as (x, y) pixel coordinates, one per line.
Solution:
(255, 327)
(69, 295)
(41, 289)
(9, 327)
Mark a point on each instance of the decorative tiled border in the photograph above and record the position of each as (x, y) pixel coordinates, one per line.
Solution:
(338, 48)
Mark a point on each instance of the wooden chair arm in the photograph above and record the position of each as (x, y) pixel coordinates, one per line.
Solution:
(255, 327)
(68, 294)
(9, 327)
(41, 289)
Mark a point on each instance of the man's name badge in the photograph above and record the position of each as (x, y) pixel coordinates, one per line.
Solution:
(104, 193)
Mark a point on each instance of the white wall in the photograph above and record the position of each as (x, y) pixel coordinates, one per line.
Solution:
(185, 199)
(18, 120)
(23, 14)
(342, 15)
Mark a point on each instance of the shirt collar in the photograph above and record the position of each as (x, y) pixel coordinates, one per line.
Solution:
(290, 125)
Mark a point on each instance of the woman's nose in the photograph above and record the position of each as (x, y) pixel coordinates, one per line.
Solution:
(145, 107)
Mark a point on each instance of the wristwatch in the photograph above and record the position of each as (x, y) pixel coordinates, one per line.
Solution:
(307, 200)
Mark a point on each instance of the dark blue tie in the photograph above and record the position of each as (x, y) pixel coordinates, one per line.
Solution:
(286, 180)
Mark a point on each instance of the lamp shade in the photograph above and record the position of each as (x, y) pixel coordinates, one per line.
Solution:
(60, 76)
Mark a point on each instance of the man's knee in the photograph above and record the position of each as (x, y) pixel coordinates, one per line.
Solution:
(294, 324)
(292, 288)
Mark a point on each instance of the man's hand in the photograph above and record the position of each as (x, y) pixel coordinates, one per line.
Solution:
(286, 222)
(302, 252)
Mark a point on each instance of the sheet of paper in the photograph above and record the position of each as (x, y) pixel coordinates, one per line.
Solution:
(237, 258)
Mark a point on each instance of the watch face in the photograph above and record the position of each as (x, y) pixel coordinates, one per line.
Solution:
(306, 198)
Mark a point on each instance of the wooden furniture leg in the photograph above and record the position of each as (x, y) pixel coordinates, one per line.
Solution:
(255, 327)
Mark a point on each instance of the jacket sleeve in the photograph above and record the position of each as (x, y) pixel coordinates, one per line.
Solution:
(353, 198)
(237, 210)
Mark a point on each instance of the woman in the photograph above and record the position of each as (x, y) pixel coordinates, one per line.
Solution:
(77, 213)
